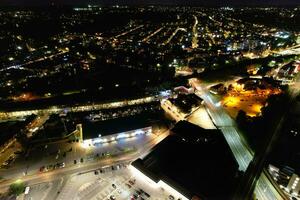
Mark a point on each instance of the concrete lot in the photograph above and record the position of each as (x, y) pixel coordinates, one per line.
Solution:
(249, 101)
(46, 155)
(119, 183)
(201, 118)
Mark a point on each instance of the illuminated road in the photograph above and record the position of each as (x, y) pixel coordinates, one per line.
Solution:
(49, 176)
(89, 107)
(195, 34)
(36, 124)
(223, 121)
(21, 66)
(294, 50)
(131, 30)
(264, 189)
(152, 34)
(173, 34)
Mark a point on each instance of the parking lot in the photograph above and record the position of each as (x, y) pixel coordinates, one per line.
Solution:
(117, 182)
(47, 157)
(249, 101)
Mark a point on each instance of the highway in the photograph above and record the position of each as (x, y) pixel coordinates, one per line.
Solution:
(223, 121)
(264, 189)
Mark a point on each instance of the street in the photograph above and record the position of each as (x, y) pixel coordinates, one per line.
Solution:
(264, 189)
(34, 176)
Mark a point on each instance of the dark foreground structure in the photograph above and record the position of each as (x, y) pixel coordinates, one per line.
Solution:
(196, 162)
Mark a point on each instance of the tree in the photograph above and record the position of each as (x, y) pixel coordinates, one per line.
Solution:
(241, 118)
(17, 187)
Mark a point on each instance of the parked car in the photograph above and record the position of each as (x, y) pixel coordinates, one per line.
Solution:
(60, 165)
(131, 182)
(171, 197)
(138, 192)
(147, 195)
(42, 168)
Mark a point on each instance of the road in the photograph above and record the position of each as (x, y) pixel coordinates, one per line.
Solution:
(33, 126)
(195, 33)
(45, 57)
(173, 34)
(264, 189)
(80, 108)
(294, 50)
(129, 31)
(224, 122)
(146, 39)
(52, 175)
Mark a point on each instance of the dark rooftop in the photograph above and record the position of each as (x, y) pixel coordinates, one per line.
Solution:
(195, 161)
(9, 129)
(186, 102)
(108, 127)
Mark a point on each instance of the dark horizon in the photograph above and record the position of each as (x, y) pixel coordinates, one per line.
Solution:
(152, 2)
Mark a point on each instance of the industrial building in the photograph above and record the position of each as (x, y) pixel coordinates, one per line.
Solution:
(97, 132)
(192, 162)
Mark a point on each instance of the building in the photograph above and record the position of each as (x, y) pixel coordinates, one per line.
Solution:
(96, 132)
(192, 163)
(182, 105)
(294, 185)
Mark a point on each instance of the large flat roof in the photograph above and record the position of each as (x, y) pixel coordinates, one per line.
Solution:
(92, 129)
(193, 160)
(185, 102)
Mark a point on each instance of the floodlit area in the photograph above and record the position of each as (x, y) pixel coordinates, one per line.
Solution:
(250, 101)
(42, 159)
(201, 118)
(109, 182)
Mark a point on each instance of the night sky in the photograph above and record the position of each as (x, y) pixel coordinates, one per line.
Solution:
(147, 2)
